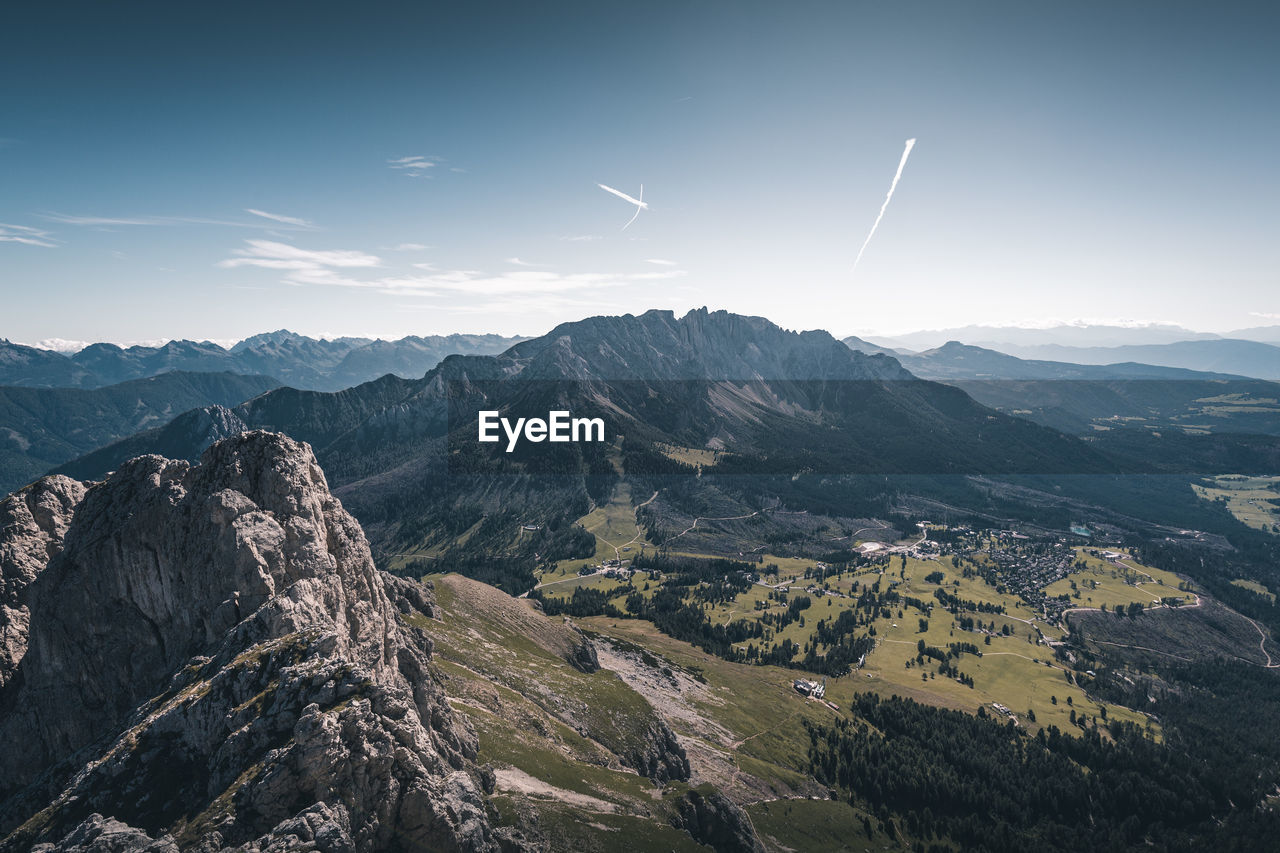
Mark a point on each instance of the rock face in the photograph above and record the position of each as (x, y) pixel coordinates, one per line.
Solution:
(716, 821)
(213, 661)
(33, 523)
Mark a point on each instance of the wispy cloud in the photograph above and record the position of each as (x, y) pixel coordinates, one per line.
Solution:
(581, 238)
(302, 266)
(661, 262)
(521, 263)
(339, 268)
(276, 217)
(414, 166)
(25, 235)
(284, 223)
(408, 247)
(1266, 315)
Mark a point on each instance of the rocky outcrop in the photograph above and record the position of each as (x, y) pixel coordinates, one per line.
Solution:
(214, 662)
(33, 523)
(661, 757)
(716, 821)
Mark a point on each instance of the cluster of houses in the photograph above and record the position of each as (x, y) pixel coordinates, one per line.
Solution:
(616, 569)
(1026, 572)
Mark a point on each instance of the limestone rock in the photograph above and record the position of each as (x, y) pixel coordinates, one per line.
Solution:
(214, 659)
(33, 522)
(716, 821)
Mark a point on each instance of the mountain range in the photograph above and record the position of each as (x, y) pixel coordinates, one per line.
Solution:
(294, 359)
(44, 427)
(736, 395)
(1072, 335)
(1226, 355)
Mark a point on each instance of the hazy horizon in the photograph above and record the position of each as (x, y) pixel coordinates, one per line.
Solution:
(1174, 331)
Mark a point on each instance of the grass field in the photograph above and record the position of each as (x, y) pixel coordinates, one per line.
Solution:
(1017, 669)
(1105, 584)
(697, 457)
(1254, 586)
(1253, 500)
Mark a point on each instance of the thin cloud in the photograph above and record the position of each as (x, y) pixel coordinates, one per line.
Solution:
(289, 223)
(409, 247)
(581, 238)
(339, 268)
(301, 266)
(1264, 315)
(26, 236)
(520, 263)
(276, 217)
(414, 166)
(661, 262)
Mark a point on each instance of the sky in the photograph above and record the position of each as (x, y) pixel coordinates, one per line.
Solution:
(214, 170)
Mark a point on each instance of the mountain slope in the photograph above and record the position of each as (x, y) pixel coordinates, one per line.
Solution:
(32, 367)
(44, 427)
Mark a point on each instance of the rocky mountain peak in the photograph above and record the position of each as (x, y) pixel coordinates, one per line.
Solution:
(217, 638)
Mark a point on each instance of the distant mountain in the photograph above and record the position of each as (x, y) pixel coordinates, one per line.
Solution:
(955, 360)
(1065, 335)
(1085, 398)
(295, 359)
(1240, 357)
(764, 400)
(44, 427)
(1265, 334)
(29, 366)
(856, 343)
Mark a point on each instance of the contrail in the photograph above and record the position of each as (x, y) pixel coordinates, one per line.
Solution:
(638, 202)
(906, 152)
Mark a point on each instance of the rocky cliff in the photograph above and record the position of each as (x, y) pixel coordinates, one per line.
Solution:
(212, 662)
(33, 523)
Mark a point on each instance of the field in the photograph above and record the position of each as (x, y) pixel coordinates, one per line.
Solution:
(559, 738)
(1107, 583)
(1253, 500)
(1016, 668)
(1254, 586)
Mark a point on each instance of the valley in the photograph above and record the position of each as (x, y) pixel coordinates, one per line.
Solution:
(794, 594)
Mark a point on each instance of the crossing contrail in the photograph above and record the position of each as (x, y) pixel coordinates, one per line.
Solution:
(638, 202)
(906, 152)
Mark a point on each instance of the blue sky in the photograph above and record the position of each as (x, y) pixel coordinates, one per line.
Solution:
(1109, 161)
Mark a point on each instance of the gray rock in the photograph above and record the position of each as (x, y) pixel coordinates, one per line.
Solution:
(98, 834)
(716, 821)
(212, 655)
(33, 522)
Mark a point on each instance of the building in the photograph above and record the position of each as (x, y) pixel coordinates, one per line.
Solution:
(810, 688)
